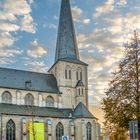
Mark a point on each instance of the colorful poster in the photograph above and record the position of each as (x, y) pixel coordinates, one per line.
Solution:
(36, 131)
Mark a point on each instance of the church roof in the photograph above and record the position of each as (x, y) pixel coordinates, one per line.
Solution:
(66, 46)
(34, 110)
(81, 111)
(70, 61)
(25, 80)
(79, 83)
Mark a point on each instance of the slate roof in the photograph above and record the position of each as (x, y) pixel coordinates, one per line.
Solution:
(82, 112)
(66, 46)
(16, 79)
(37, 111)
(70, 61)
(73, 61)
(79, 112)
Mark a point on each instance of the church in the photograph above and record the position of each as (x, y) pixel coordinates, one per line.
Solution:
(53, 105)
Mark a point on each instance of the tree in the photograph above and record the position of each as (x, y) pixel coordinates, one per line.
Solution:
(30, 126)
(122, 101)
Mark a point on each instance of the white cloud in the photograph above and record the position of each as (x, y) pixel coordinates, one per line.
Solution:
(107, 7)
(10, 52)
(27, 24)
(19, 7)
(15, 16)
(122, 2)
(78, 16)
(9, 27)
(36, 50)
(52, 26)
(6, 39)
(36, 65)
(5, 60)
(86, 21)
(77, 13)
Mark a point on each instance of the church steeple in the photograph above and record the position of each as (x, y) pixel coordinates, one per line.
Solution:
(66, 47)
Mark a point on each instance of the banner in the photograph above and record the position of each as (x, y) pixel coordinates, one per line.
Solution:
(36, 131)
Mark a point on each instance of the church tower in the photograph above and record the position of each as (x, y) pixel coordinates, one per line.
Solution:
(69, 70)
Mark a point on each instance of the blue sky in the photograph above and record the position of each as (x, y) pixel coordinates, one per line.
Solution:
(28, 31)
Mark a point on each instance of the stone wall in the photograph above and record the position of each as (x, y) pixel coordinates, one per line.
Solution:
(74, 128)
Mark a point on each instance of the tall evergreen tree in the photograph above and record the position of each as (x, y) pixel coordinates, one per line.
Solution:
(122, 101)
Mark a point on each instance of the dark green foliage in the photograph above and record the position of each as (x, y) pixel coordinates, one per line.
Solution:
(122, 101)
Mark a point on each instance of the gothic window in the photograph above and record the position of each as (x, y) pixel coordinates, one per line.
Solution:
(88, 131)
(10, 130)
(59, 131)
(82, 91)
(29, 99)
(49, 101)
(7, 97)
(79, 91)
(79, 74)
(67, 72)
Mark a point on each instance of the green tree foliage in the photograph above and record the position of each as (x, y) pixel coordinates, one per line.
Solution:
(122, 101)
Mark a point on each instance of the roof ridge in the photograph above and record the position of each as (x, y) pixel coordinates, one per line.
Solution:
(24, 71)
(82, 111)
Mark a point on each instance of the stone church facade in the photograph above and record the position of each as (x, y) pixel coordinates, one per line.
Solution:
(58, 100)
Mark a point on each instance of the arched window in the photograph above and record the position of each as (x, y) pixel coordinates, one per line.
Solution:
(67, 72)
(79, 92)
(79, 74)
(66, 76)
(29, 99)
(59, 131)
(88, 131)
(49, 101)
(82, 91)
(7, 97)
(10, 130)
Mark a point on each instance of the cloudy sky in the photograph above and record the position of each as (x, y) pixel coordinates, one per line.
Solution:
(28, 30)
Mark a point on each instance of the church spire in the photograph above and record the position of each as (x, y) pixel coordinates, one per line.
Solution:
(66, 47)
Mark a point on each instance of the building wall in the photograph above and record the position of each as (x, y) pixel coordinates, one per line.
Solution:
(68, 86)
(75, 130)
(18, 97)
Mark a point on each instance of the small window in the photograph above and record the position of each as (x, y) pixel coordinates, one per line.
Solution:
(29, 99)
(81, 76)
(49, 101)
(69, 74)
(79, 91)
(28, 84)
(82, 91)
(77, 75)
(7, 97)
(66, 74)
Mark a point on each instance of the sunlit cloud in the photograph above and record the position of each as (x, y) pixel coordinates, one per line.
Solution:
(36, 49)
(78, 16)
(36, 65)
